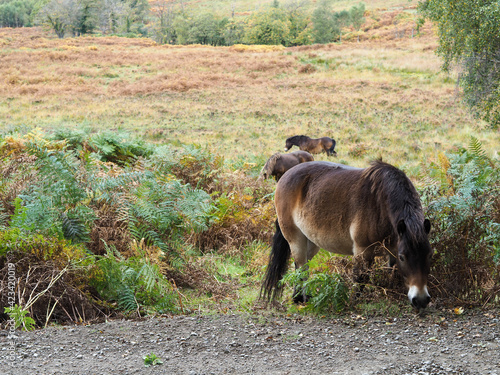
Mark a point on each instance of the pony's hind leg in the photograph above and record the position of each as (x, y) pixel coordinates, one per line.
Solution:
(331, 151)
(301, 259)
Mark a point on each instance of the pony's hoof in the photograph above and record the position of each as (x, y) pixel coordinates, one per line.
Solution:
(300, 298)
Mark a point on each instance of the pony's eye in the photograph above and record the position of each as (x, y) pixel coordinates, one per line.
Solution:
(402, 258)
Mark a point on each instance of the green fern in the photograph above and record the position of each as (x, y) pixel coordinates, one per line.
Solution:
(477, 151)
(162, 213)
(74, 229)
(327, 292)
(120, 149)
(134, 283)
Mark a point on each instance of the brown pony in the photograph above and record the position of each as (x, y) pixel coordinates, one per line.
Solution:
(278, 163)
(350, 211)
(314, 146)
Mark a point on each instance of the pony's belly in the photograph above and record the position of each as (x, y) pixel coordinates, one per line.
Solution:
(334, 243)
(330, 240)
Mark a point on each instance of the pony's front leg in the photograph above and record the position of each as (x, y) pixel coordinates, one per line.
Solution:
(363, 260)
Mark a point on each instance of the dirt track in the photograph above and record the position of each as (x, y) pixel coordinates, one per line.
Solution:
(437, 343)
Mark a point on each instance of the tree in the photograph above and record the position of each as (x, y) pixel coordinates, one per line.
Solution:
(234, 32)
(16, 13)
(469, 36)
(138, 17)
(60, 15)
(163, 13)
(342, 19)
(181, 27)
(270, 26)
(300, 29)
(88, 19)
(111, 15)
(207, 29)
(325, 29)
(356, 14)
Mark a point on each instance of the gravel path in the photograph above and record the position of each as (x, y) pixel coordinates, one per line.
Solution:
(437, 343)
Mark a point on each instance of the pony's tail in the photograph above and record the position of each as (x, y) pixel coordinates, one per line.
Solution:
(277, 267)
(332, 151)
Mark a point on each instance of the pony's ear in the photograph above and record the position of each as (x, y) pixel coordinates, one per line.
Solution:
(401, 227)
(427, 226)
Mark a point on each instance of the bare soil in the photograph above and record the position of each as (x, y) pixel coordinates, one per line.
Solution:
(439, 342)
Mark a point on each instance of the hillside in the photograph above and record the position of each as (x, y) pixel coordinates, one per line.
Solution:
(245, 7)
(382, 97)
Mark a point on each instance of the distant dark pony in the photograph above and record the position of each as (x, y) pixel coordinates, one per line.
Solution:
(312, 145)
(351, 211)
(278, 163)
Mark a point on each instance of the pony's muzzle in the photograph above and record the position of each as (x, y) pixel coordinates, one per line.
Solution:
(419, 298)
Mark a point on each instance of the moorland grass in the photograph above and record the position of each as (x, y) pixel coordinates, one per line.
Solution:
(381, 97)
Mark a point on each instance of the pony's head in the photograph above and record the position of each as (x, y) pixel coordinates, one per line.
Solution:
(267, 169)
(292, 141)
(414, 260)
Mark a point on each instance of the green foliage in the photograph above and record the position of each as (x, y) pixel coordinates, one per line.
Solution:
(119, 149)
(16, 13)
(152, 360)
(270, 27)
(342, 19)
(328, 25)
(466, 229)
(20, 317)
(324, 29)
(356, 14)
(469, 203)
(54, 203)
(162, 212)
(192, 165)
(207, 29)
(234, 32)
(289, 24)
(133, 284)
(79, 17)
(328, 293)
(469, 34)
(43, 247)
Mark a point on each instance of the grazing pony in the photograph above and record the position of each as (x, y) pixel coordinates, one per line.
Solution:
(312, 145)
(352, 211)
(278, 163)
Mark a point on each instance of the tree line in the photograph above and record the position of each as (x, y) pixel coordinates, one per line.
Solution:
(169, 22)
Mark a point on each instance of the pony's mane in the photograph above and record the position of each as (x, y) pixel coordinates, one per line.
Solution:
(270, 163)
(394, 189)
(297, 138)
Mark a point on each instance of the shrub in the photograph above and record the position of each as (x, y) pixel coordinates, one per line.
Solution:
(464, 208)
(58, 251)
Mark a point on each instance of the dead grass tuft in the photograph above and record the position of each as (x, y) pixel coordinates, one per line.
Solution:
(201, 276)
(64, 296)
(308, 68)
